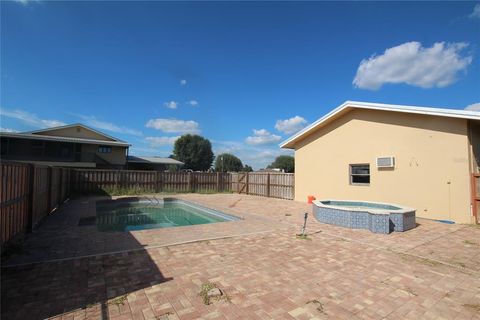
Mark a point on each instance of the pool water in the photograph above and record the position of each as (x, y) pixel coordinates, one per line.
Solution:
(141, 215)
(360, 205)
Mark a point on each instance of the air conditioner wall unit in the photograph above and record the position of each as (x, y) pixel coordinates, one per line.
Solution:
(386, 162)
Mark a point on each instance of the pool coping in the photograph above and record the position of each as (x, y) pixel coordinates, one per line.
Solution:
(402, 210)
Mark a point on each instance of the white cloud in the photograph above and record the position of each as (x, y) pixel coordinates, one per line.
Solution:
(107, 126)
(8, 130)
(473, 107)
(193, 103)
(183, 82)
(476, 11)
(262, 136)
(291, 125)
(30, 119)
(171, 104)
(161, 141)
(25, 2)
(173, 125)
(413, 64)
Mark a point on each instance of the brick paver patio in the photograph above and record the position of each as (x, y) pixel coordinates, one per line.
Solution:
(265, 272)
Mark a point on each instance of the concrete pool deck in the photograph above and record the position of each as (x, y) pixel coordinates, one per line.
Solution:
(430, 272)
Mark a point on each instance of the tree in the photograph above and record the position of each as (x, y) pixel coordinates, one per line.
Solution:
(247, 168)
(228, 162)
(195, 151)
(287, 163)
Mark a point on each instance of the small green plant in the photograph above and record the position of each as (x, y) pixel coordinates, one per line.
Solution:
(469, 242)
(206, 287)
(303, 236)
(119, 300)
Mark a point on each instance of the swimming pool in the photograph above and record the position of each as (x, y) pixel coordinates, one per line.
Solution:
(130, 214)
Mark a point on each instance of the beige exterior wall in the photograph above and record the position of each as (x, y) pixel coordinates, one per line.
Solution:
(118, 156)
(75, 132)
(431, 162)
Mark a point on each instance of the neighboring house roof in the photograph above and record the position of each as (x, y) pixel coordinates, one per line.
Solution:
(37, 135)
(348, 105)
(73, 126)
(153, 160)
(63, 139)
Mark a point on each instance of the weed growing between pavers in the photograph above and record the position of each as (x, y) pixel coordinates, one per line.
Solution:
(318, 305)
(206, 287)
(303, 237)
(119, 300)
(475, 307)
(164, 316)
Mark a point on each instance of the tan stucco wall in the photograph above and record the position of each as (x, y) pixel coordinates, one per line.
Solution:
(118, 155)
(74, 133)
(431, 155)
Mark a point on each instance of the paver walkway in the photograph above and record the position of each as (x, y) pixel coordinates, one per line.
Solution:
(430, 272)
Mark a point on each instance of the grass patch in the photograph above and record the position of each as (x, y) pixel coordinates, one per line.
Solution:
(206, 287)
(118, 300)
(303, 237)
(469, 242)
(318, 305)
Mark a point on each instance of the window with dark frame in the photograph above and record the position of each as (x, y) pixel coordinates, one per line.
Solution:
(360, 174)
(104, 149)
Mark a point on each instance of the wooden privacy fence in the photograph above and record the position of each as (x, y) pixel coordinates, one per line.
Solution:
(107, 181)
(28, 194)
(268, 184)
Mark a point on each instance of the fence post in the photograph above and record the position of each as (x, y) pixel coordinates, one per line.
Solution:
(189, 182)
(246, 179)
(268, 185)
(49, 193)
(31, 196)
(218, 181)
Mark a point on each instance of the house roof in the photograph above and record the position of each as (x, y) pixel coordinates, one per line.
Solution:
(73, 126)
(37, 135)
(153, 160)
(62, 139)
(349, 105)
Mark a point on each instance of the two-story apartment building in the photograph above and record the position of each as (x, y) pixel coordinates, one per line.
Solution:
(73, 145)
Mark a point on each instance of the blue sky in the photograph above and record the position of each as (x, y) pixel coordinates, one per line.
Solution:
(245, 75)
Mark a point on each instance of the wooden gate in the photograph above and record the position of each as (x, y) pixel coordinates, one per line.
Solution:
(476, 196)
(243, 183)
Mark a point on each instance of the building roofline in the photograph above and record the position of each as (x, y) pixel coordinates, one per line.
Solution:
(441, 112)
(153, 160)
(74, 125)
(63, 139)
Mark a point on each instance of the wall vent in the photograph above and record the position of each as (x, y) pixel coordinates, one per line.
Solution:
(386, 162)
